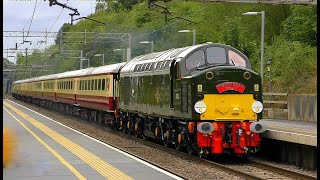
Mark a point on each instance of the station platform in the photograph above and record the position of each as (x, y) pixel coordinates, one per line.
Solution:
(291, 131)
(45, 149)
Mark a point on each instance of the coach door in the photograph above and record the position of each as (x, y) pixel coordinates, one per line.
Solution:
(173, 76)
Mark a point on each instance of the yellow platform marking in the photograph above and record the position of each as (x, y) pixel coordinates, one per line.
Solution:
(8, 147)
(61, 159)
(91, 159)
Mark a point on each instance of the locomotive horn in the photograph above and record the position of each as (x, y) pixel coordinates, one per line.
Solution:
(257, 127)
(205, 127)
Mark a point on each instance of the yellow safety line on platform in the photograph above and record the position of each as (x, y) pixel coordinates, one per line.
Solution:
(91, 159)
(313, 132)
(63, 161)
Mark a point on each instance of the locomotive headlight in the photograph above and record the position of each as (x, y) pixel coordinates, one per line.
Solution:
(257, 127)
(205, 127)
(256, 87)
(257, 107)
(247, 75)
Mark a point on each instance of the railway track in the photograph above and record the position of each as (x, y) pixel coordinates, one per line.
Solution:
(280, 170)
(244, 170)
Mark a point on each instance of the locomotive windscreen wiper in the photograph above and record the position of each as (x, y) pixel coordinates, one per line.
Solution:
(213, 65)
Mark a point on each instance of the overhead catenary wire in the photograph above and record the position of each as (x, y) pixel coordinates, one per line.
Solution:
(34, 10)
(55, 22)
(137, 37)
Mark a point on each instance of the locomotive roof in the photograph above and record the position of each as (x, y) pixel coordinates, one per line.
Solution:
(107, 69)
(175, 53)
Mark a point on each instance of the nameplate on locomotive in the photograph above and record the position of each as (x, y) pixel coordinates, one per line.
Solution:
(227, 86)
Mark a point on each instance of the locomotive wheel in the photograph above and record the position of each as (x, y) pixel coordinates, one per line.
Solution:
(177, 146)
(190, 150)
(136, 134)
(166, 142)
(136, 131)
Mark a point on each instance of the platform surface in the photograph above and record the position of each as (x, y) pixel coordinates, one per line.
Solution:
(291, 131)
(48, 150)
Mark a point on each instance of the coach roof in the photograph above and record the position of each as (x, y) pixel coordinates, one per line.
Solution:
(107, 69)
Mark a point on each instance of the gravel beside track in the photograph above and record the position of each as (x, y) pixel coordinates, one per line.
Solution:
(179, 165)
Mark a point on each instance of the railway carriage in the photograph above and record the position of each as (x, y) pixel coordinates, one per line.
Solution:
(49, 87)
(96, 88)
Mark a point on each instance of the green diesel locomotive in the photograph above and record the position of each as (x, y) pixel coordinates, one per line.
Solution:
(204, 98)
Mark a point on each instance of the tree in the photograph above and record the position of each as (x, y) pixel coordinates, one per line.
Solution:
(301, 25)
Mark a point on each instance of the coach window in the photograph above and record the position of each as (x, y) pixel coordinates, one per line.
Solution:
(103, 84)
(99, 84)
(95, 84)
(216, 55)
(89, 85)
(195, 60)
(92, 84)
(107, 84)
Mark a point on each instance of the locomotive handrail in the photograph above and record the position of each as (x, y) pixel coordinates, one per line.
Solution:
(275, 94)
(276, 102)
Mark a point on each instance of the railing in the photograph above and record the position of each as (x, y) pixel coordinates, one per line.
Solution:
(295, 107)
(275, 105)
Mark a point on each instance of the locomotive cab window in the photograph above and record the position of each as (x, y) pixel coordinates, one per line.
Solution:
(195, 60)
(216, 55)
(236, 59)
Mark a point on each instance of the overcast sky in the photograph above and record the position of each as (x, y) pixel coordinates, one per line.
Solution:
(17, 16)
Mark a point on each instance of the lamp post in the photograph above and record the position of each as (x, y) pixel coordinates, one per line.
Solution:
(262, 38)
(193, 33)
(102, 58)
(148, 42)
(123, 53)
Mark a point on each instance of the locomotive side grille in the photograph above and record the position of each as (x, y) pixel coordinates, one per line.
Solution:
(126, 88)
(184, 97)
